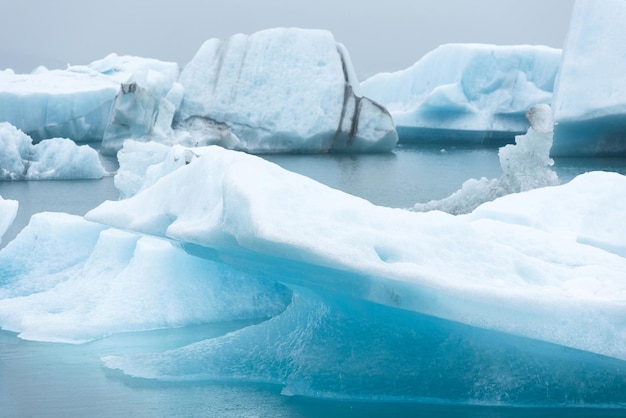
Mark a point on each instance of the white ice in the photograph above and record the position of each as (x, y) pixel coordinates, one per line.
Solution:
(280, 90)
(590, 82)
(525, 166)
(86, 103)
(468, 87)
(493, 269)
(56, 158)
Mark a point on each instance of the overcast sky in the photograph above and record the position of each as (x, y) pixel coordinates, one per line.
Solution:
(381, 35)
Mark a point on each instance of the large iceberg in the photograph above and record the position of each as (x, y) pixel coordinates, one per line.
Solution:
(55, 158)
(280, 90)
(469, 93)
(590, 94)
(340, 298)
(260, 212)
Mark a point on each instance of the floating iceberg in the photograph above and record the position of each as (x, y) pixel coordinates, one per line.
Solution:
(469, 93)
(58, 103)
(505, 276)
(114, 98)
(525, 166)
(280, 90)
(492, 306)
(590, 95)
(56, 158)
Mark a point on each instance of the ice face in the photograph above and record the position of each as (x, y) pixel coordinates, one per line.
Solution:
(8, 210)
(553, 286)
(56, 158)
(146, 102)
(475, 90)
(281, 90)
(590, 96)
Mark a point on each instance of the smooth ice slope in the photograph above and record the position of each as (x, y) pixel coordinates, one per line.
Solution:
(467, 92)
(484, 271)
(109, 98)
(280, 90)
(590, 95)
(56, 158)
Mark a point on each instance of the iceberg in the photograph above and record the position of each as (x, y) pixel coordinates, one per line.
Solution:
(280, 90)
(467, 93)
(506, 277)
(340, 298)
(104, 102)
(57, 103)
(56, 158)
(590, 97)
(525, 166)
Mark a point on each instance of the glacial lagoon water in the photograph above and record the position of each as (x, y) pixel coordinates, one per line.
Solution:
(46, 379)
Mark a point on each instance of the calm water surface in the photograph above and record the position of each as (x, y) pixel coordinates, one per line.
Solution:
(59, 380)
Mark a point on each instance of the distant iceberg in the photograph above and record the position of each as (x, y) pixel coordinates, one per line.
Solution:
(55, 158)
(278, 90)
(467, 93)
(590, 94)
(105, 102)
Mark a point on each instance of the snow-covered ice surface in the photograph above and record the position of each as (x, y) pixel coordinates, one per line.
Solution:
(55, 158)
(590, 95)
(525, 166)
(472, 93)
(280, 90)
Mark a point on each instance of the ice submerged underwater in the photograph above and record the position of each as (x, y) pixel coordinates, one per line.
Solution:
(518, 302)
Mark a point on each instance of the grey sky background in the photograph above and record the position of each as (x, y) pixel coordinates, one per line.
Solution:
(381, 35)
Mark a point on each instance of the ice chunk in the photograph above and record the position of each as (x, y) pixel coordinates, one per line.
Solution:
(146, 102)
(590, 95)
(56, 158)
(525, 166)
(467, 92)
(143, 163)
(281, 90)
(496, 275)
